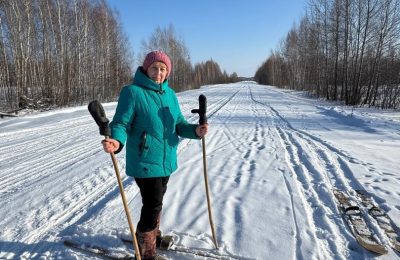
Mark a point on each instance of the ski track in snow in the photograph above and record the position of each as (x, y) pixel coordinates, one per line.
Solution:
(271, 181)
(319, 168)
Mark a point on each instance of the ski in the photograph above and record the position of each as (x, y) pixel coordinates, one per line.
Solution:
(186, 250)
(100, 251)
(123, 255)
(352, 215)
(381, 217)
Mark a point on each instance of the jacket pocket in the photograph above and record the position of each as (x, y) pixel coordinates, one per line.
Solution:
(144, 145)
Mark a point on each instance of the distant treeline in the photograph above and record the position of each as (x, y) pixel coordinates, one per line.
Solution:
(67, 52)
(342, 50)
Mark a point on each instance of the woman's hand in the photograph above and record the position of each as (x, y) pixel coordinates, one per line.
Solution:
(202, 130)
(110, 145)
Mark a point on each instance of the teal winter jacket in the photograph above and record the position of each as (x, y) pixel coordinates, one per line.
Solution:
(148, 121)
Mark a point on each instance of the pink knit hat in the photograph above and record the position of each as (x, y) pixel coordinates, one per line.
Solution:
(157, 56)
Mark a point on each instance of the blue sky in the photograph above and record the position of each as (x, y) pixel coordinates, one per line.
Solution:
(238, 34)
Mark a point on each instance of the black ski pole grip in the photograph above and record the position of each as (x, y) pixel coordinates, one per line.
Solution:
(97, 111)
(202, 110)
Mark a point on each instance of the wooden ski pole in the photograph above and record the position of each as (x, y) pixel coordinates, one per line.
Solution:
(127, 212)
(210, 218)
(203, 120)
(97, 112)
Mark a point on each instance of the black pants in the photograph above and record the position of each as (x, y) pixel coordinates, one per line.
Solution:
(152, 191)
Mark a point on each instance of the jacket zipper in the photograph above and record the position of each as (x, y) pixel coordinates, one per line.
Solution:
(163, 118)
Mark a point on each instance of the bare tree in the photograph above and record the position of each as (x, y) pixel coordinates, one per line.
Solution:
(166, 39)
(63, 51)
(342, 49)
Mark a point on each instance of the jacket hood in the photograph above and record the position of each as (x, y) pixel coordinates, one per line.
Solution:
(142, 80)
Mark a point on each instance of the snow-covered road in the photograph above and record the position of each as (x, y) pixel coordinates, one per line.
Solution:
(273, 158)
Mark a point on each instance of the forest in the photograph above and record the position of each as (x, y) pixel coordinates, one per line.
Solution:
(68, 52)
(341, 50)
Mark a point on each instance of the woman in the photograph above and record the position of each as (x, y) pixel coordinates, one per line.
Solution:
(149, 121)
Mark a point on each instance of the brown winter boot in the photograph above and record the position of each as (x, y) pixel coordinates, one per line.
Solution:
(162, 242)
(147, 245)
(158, 234)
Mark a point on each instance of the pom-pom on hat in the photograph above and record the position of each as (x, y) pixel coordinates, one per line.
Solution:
(157, 56)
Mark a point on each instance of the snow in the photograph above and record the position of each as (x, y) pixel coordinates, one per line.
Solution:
(273, 157)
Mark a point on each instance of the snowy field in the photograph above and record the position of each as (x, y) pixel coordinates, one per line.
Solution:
(273, 159)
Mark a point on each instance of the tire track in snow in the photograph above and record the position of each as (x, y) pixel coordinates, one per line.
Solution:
(333, 166)
(211, 110)
(214, 148)
(314, 193)
(17, 141)
(296, 248)
(297, 243)
(250, 136)
(241, 181)
(64, 208)
(297, 252)
(43, 165)
(19, 151)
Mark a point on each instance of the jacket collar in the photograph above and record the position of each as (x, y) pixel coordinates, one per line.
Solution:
(142, 80)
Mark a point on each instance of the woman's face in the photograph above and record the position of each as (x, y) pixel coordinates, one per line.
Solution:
(157, 71)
